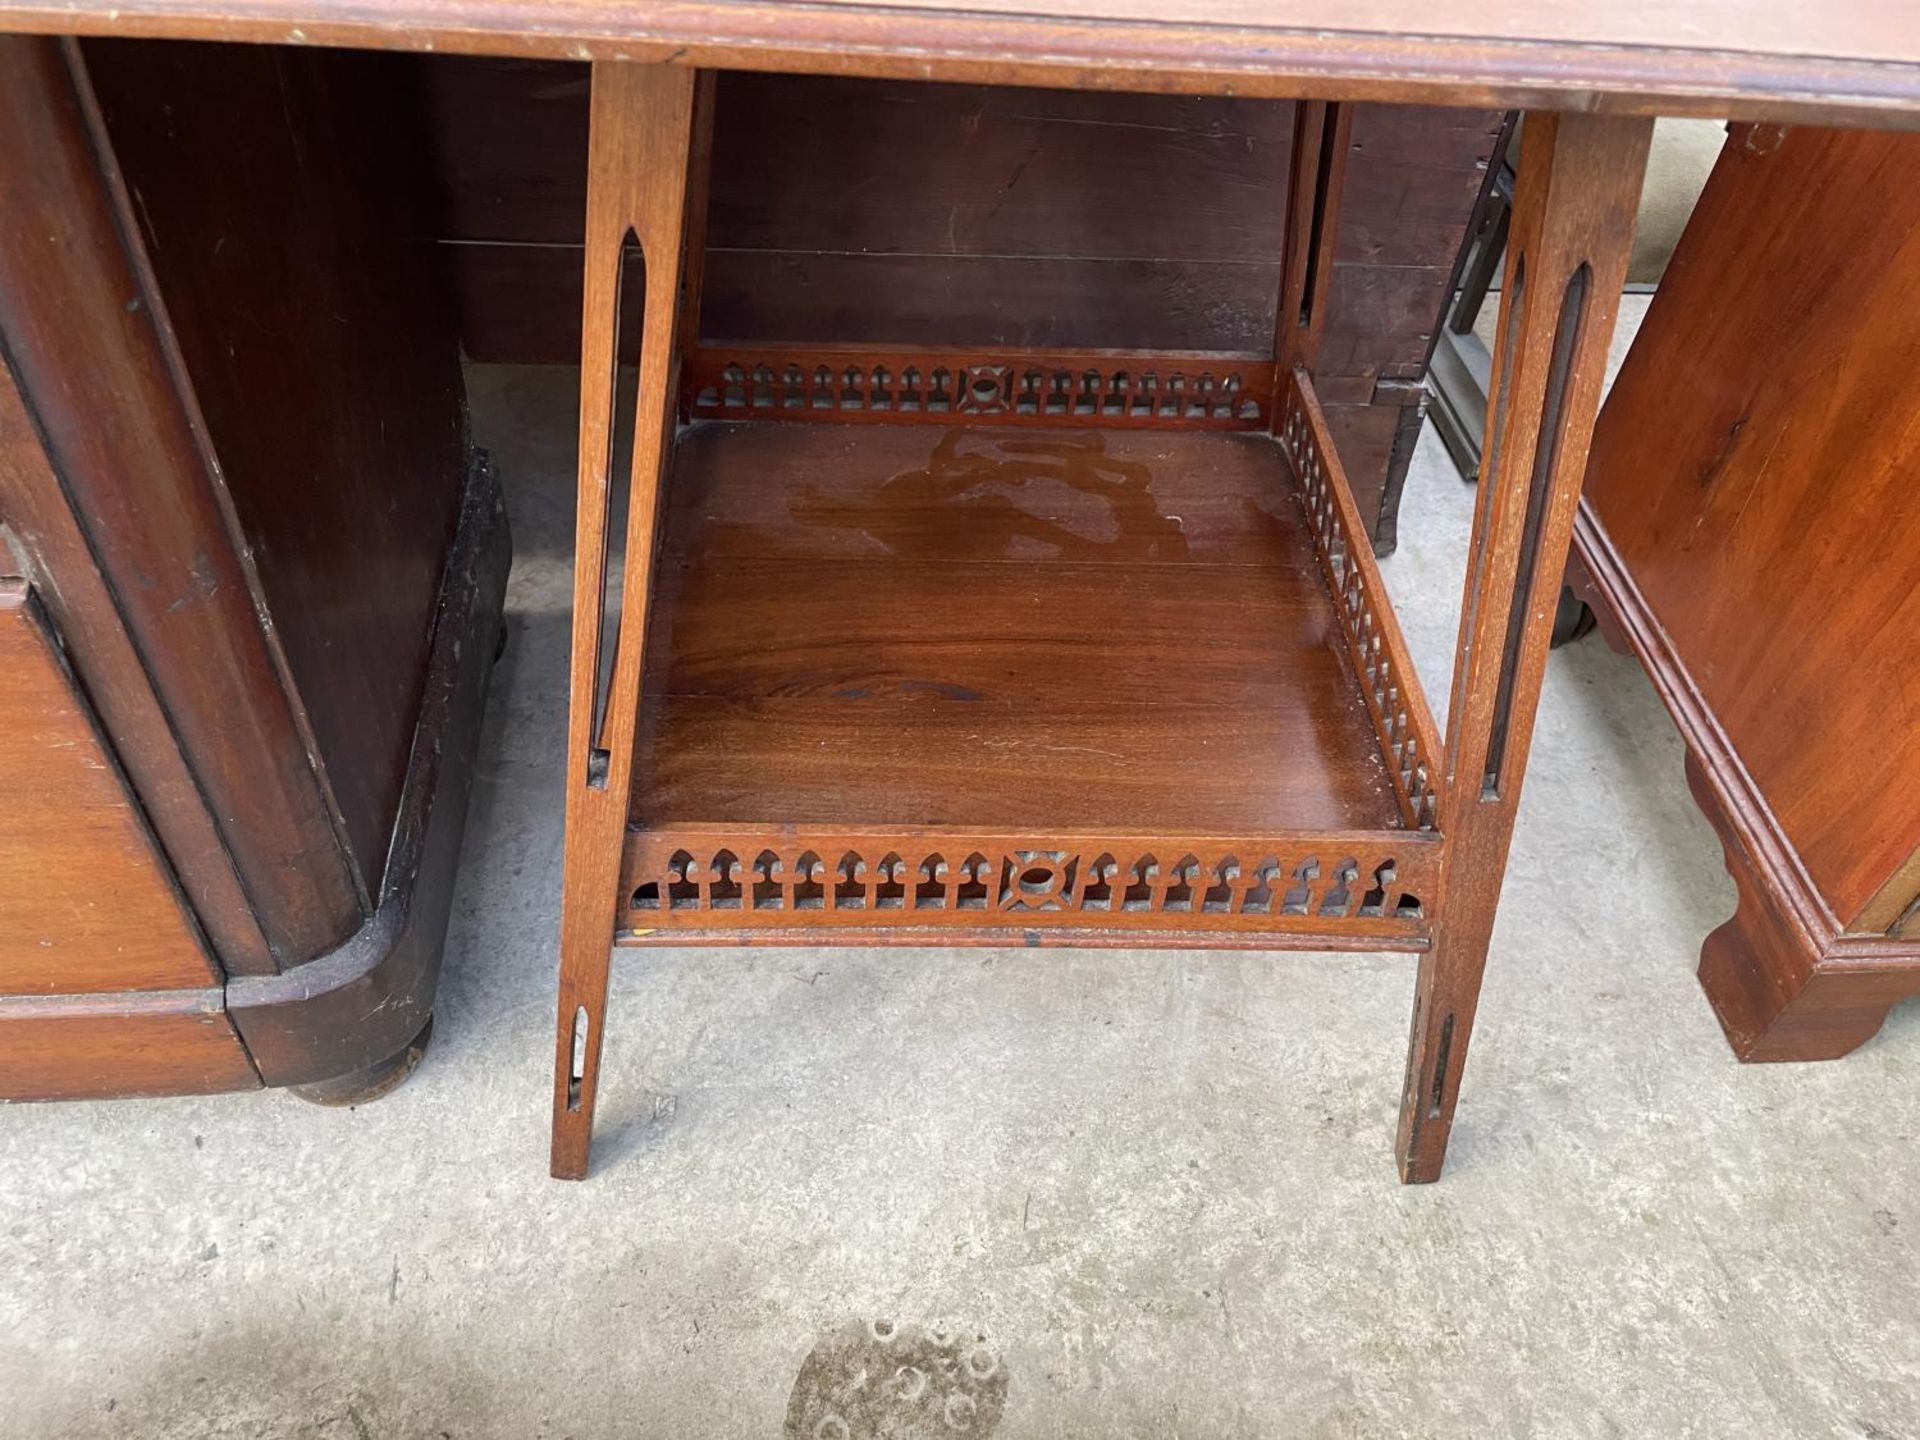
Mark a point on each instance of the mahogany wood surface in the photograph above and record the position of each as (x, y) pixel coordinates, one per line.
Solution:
(1857, 61)
(234, 520)
(887, 213)
(1755, 470)
(1316, 178)
(280, 218)
(358, 1013)
(638, 172)
(1852, 60)
(1784, 981)
(86, 903)
(1578, 189)
(764, 638)
(940, 885)
(1116, 389)
(1015, 206)
(997, 630)
(1377, 650)
(1760, 559)
(101, 652)
(87, 336)
(160, 1042)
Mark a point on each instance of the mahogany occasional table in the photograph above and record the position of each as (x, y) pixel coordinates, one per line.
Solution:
(876, 674)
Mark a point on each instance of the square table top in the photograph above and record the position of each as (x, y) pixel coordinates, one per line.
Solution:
(1831, 61)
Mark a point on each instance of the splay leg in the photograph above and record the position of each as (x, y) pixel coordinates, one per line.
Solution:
(1572, 224)
(638, 171)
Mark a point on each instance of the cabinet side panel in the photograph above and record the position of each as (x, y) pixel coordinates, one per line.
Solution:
(1754, 468)
(273, 193)
(86, 343)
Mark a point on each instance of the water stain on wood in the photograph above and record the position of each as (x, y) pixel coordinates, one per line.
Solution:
(1000, 498)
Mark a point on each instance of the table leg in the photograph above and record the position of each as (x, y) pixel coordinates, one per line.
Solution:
(1572, 224)
(639, 150)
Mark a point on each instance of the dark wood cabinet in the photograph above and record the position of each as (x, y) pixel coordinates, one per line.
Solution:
(234, 467)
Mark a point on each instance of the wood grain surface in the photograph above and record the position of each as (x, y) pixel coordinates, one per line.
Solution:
(101, 652)
(1754, 471)
(324, 363)
(86, 902)
(1575, 200)
(88, 336)
(863, 209)
(909, 884)
(940, 213)
(639, 168)
(1857, 60)
(117, 1046)
(923, 625)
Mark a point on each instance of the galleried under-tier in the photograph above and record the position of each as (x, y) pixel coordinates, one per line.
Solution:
(975, 677)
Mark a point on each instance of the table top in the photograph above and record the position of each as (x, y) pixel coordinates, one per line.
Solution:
(1839, 61)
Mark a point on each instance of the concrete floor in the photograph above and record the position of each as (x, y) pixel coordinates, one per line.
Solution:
(1160, 1185)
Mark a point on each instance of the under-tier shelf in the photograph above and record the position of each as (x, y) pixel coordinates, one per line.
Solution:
(1080, 679)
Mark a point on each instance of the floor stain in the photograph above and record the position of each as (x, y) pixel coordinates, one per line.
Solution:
(878, 1380)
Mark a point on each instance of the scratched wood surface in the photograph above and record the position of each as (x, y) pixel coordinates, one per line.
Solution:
(114, 423)
(876, 211)
(880, 211)
(324, 365)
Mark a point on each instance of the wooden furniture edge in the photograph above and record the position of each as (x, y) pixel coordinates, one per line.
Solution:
(1786, 982)
(355, 1006)
(1295, 62)
(92, 857)
(130, 1043)
(1894, 909)
(1575, 201)
(1357, 886)
(841, 384)
(640, 171)
(102, 654)
(1383, 667)
(1062, 937)
(1574, 215)
(135, 514)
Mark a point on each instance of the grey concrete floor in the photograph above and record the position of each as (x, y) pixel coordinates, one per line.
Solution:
(1160, 1184)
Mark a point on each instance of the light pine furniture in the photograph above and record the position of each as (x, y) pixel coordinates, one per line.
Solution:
(1364, 825)
(1750, 527)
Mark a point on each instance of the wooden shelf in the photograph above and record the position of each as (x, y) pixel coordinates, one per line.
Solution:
(921, 624)
(877, 649)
